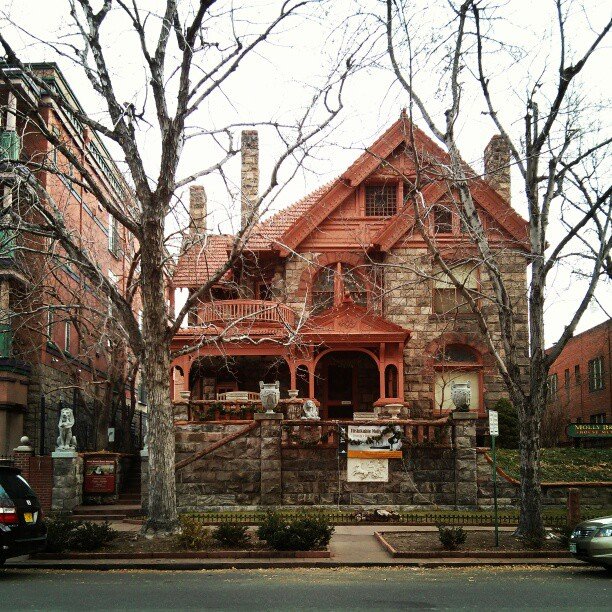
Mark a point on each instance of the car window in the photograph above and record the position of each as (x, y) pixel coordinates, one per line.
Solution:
(15, 485)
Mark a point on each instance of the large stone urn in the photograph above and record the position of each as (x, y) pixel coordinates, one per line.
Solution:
(461, 395)
(269, 394)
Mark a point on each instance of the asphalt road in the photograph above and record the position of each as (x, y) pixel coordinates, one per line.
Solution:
(537, 588)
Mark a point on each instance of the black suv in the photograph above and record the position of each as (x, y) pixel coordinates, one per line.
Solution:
(22, 530)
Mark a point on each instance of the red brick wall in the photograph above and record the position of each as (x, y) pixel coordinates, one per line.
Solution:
(38, 471)
(580, 402)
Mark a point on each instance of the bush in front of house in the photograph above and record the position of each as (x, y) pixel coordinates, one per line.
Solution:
(451, 537)
(304, 532)
(65, 534)
(194, 535)
(231, 534)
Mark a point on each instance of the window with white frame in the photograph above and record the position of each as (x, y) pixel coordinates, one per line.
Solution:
(596, 378)
(67, 334)
(113, 235)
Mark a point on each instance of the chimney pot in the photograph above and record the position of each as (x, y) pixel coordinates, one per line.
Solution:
(497, 165)
(249, 174)
(197, 209)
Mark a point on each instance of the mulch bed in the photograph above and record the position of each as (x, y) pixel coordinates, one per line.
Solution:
(419, 544)
(130, 545)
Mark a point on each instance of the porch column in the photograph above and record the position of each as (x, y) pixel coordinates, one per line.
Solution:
(293, 374)
(381, 371)
(400, 371)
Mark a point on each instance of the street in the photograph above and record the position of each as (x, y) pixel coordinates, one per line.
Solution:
(536, 588)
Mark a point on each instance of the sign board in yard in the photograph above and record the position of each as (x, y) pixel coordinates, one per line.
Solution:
(494, 432)
(100, 475)
(589, 430)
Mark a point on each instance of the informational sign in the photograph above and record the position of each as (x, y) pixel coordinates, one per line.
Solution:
(493, 423)
(589, 430)
(100, 475)
(374, 442)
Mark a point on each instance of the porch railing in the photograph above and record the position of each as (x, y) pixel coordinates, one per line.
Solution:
(230, 311)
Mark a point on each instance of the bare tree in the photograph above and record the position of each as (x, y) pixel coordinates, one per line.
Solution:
(190, 52)
(560, 157)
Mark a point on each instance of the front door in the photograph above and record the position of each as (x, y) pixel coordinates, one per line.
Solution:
(340, 391)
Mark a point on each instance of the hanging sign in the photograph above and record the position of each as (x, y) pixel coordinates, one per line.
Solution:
(493, 423)
(374, 442)
(100, 475)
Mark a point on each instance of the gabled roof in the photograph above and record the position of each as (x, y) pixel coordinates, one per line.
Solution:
(369, 161)
(349, 321)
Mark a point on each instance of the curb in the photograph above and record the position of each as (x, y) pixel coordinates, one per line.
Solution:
(215, 554)
(470, 554)
(180, 565)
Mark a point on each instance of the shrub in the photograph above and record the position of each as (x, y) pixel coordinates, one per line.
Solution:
(451, 537)
(64, 533)
(304, 532)
(231, 534)
(59, 532)
(508, 424)
(91, 536)
(193, 535)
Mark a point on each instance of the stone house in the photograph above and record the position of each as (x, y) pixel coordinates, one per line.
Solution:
(337, 296)
(58, 340)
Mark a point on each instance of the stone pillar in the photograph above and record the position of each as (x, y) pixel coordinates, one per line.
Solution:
(249, 174)
(22, 455)
(67, 481)
(497, 166)
(466, 468)
(197, 209)
(573, 507)
(270, 457)
(144, 479)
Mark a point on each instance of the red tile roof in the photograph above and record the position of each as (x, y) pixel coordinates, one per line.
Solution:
(198, 263)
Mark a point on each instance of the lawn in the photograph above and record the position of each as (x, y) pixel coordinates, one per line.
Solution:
(564, 464)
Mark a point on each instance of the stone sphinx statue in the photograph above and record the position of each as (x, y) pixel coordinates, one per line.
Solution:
(310, 411)
(65, 440)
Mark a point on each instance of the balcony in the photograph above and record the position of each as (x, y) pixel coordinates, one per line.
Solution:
(246, 311)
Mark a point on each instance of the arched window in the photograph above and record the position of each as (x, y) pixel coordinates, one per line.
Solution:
(391, 381)
(333, 282)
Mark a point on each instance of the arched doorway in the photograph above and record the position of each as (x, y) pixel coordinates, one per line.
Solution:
(346, 382)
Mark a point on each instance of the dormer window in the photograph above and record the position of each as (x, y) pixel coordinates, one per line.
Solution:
(380, 200)
(443, 219)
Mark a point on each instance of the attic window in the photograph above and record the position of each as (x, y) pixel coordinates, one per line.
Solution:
(443, 219)
(380, 200)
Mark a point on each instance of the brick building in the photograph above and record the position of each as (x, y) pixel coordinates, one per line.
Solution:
(58, 338)
(580, 380)
(337, 296)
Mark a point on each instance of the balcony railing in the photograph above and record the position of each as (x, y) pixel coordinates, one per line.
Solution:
(247, 311)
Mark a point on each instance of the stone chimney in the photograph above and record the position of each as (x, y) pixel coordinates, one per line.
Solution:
(249, 174)
(197, 209)
(497, 166)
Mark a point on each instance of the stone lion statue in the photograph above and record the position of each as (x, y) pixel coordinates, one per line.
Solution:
(310, 411)
(65, 440)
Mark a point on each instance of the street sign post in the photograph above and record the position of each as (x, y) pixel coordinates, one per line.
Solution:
(494, 432)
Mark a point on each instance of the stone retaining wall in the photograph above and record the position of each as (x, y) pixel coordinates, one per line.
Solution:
(508, 493)
(256, 470)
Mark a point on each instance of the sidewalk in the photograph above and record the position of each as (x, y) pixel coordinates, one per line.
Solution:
(351, 546)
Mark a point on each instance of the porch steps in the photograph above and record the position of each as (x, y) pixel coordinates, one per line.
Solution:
(114, 512)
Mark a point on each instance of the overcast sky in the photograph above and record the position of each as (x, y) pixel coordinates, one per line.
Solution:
(280, 80)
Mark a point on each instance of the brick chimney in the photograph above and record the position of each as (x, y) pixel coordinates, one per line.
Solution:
(197, 209)
(249, 174)
(497, 166)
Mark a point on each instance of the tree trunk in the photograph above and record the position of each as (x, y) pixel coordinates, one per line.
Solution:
(530, 519)
(162, 513)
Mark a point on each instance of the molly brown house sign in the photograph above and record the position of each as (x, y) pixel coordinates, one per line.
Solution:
(369, 448)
